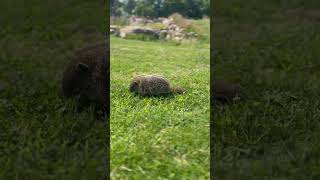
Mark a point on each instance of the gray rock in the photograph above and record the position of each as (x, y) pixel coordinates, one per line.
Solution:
(114, 29)
(139, 30)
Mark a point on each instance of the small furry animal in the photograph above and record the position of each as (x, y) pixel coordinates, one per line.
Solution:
(86, 75)
(152, 85)
(226, 92)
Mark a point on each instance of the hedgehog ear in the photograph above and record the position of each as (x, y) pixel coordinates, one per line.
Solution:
(81, 67)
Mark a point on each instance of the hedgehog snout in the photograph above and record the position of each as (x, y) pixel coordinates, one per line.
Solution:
(133, 86)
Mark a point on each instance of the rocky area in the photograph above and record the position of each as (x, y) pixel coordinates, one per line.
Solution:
(136, 30)
(168, 30)
(114, 29)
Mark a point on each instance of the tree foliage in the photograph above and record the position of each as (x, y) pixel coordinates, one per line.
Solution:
(115, 8)
(161, 8)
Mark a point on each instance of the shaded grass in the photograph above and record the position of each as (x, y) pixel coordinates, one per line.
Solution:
(164, 137)
(42, 136)
(276, 133)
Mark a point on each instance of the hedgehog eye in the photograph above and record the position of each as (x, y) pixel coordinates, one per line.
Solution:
(82, 67)
(88, 86)
(134, 84)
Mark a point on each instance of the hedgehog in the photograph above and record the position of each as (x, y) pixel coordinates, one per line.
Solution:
(153, 85)
(86, 75)
(225, 92)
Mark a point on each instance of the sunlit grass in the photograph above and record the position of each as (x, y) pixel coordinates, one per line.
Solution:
(168, 137)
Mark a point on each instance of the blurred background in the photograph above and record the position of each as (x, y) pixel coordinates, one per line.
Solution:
(272, 49)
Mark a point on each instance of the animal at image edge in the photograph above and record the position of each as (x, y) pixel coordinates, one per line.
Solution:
(86, 78)
(225, 92)
(86, 75)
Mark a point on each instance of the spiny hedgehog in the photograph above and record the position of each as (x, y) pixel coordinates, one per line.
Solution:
(226, 92)
(86, 75)
(152, 85)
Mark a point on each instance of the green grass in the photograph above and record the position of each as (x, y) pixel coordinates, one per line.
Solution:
(166, 137)
(202, 28)
(262, 45)
(41, 135)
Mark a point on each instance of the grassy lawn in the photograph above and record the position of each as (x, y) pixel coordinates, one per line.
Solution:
(41, 135)
(272, 49)
(160, 138)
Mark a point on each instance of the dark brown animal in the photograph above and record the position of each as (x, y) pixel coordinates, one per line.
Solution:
(152, 85)
(86, 75)
(226, 92)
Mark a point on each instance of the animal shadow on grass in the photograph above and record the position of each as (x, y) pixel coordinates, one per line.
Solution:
(160, 96)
